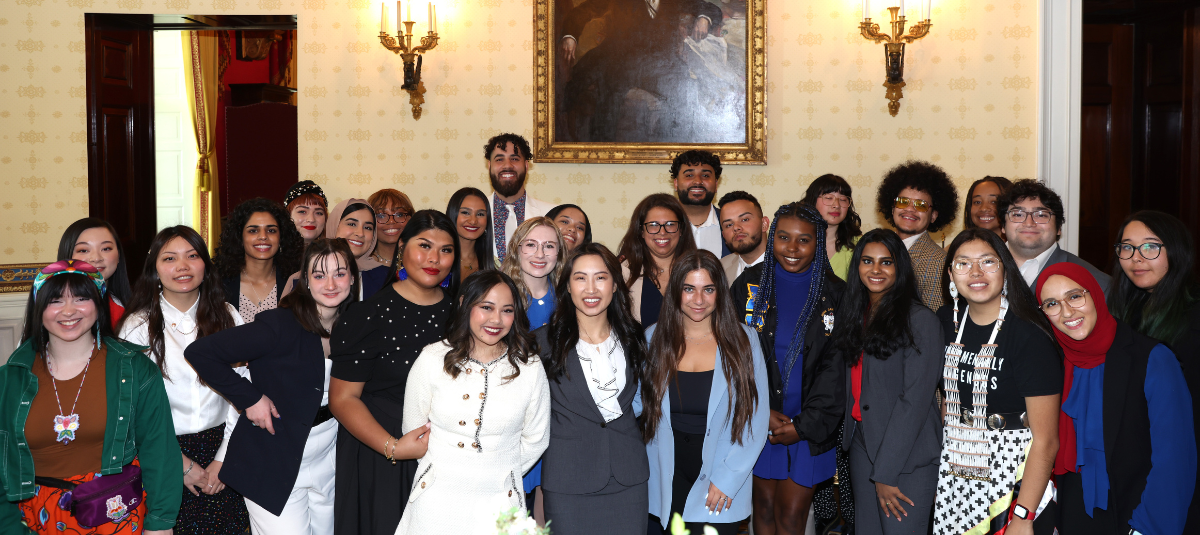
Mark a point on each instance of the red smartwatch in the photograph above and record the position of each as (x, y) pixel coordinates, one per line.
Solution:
(1021, 512)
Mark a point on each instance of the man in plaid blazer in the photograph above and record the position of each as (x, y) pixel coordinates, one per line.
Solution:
(917, 198)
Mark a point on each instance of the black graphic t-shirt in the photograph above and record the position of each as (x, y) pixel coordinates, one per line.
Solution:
(1027, 363)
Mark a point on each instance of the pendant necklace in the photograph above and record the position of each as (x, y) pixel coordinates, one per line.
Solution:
(66, 425)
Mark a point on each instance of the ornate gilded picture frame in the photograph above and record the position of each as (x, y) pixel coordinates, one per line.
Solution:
(639, 81)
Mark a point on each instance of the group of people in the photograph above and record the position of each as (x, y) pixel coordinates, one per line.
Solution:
(370, 368)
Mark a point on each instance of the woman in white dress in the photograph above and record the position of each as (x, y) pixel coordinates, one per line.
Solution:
(485, 393)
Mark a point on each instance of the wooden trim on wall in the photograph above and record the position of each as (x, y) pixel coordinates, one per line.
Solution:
(1060, 32)
(18, 278)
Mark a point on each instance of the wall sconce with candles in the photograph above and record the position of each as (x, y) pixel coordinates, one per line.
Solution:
(402, 44)
(893, 51)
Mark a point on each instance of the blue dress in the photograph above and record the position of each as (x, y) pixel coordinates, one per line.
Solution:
(539, 312)
(793, 461)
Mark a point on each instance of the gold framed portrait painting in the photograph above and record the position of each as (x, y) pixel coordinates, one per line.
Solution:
(639, 81)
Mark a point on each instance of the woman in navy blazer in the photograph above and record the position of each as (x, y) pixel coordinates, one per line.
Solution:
(285, 466)
(704, 401)
(894, 353)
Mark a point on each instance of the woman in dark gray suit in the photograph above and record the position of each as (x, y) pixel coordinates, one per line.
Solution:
(594, 472)
(895, 357)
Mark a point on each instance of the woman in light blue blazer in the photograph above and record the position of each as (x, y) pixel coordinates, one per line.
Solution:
(704, 402)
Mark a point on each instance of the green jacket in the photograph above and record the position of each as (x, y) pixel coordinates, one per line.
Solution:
(136, 395)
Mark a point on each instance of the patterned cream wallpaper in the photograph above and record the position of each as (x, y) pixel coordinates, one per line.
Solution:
(970, 106)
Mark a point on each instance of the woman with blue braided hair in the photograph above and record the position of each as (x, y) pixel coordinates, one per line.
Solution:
(790, 299)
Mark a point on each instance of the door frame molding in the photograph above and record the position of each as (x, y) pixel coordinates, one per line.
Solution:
(1060, 35)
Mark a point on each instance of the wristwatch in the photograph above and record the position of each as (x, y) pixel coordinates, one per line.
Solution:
(1021, 512)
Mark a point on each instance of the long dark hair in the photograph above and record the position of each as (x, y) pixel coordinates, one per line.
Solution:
(633, 247)
(587, 222)
(563, 329)
(667, 347)
(483, 246)
(420, 222)
(212, 313)
(849, 227)
(816, 286)
(886, 329)
(118, 284)
(1021, 300)
(230, 255)
(1164, 311)
(301, 301)
(1001, 183)
(522, 345)
(79, 285)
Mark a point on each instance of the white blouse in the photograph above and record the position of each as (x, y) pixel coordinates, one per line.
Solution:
(194, 406)
(604, 369)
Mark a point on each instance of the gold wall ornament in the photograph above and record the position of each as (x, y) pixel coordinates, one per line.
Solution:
(402, 44)
(893, 50)
(739, 113)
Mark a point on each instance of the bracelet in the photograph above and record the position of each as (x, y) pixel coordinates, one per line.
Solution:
(392, 456)
(190, 466)
(385, 447)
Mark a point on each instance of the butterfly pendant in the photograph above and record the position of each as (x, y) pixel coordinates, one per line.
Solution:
(66, 426)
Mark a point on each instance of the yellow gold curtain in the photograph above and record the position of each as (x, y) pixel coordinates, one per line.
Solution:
(202, 74)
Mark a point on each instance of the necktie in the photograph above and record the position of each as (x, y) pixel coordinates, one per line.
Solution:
(500, 217)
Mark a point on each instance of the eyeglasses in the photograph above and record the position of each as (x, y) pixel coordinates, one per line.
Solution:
(833, 199)
(1053, 307)
(917, 204)
(548, 248)
(1017, 215)
(654, 227)
(989, 264)
(399, 217)
(1148, 250)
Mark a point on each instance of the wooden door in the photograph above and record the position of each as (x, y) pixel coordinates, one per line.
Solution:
(120, 107)
(1105, 147)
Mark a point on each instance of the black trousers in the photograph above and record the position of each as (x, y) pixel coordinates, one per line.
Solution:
(689, 459)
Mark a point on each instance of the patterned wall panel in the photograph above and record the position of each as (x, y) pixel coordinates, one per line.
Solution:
(970, 105)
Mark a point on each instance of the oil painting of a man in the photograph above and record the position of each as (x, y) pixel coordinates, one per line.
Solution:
(650, 71)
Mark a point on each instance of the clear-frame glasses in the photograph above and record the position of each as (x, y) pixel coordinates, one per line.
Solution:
(1075, 299)
(987, 264)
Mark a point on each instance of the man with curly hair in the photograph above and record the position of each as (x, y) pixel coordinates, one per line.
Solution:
(917, 198)
(695, 175)
(1031, 215)
(508, 158)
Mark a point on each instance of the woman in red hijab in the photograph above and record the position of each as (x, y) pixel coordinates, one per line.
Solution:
(1127, 448)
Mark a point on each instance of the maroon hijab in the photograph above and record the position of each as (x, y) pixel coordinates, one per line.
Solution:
(1087, 353)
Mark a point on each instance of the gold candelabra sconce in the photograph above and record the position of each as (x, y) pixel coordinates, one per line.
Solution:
(402, 44)
(893, 46)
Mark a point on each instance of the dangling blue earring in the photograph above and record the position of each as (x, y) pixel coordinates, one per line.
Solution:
(401, 274)
(446, 281)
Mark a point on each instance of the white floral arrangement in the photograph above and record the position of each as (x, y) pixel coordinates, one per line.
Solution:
(678, 527)
(516, 521)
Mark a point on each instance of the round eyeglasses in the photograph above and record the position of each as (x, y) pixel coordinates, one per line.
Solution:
(1053, 307)
(989, 264)
(919, 205)
(399, 217)
(1148, 250)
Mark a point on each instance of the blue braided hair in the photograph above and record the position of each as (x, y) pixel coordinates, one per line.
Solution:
(766, 282)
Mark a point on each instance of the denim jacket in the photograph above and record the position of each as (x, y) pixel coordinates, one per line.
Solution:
(139, 425)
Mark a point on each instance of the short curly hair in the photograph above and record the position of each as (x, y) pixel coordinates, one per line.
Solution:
(696, 157)
(231, 254)
(518, 141)
(921, 176)
(1028, 188)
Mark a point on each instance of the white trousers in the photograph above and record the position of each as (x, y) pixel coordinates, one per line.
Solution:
(309, 509)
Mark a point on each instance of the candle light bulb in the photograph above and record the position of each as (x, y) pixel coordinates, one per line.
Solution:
(399, 27)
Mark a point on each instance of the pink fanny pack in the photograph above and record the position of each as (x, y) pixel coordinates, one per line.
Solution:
(104, 499)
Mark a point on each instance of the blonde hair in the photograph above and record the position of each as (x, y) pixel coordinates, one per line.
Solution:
(512, 261)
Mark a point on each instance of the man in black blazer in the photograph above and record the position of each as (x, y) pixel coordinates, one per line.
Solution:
(641, 49)
(1032, 215)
